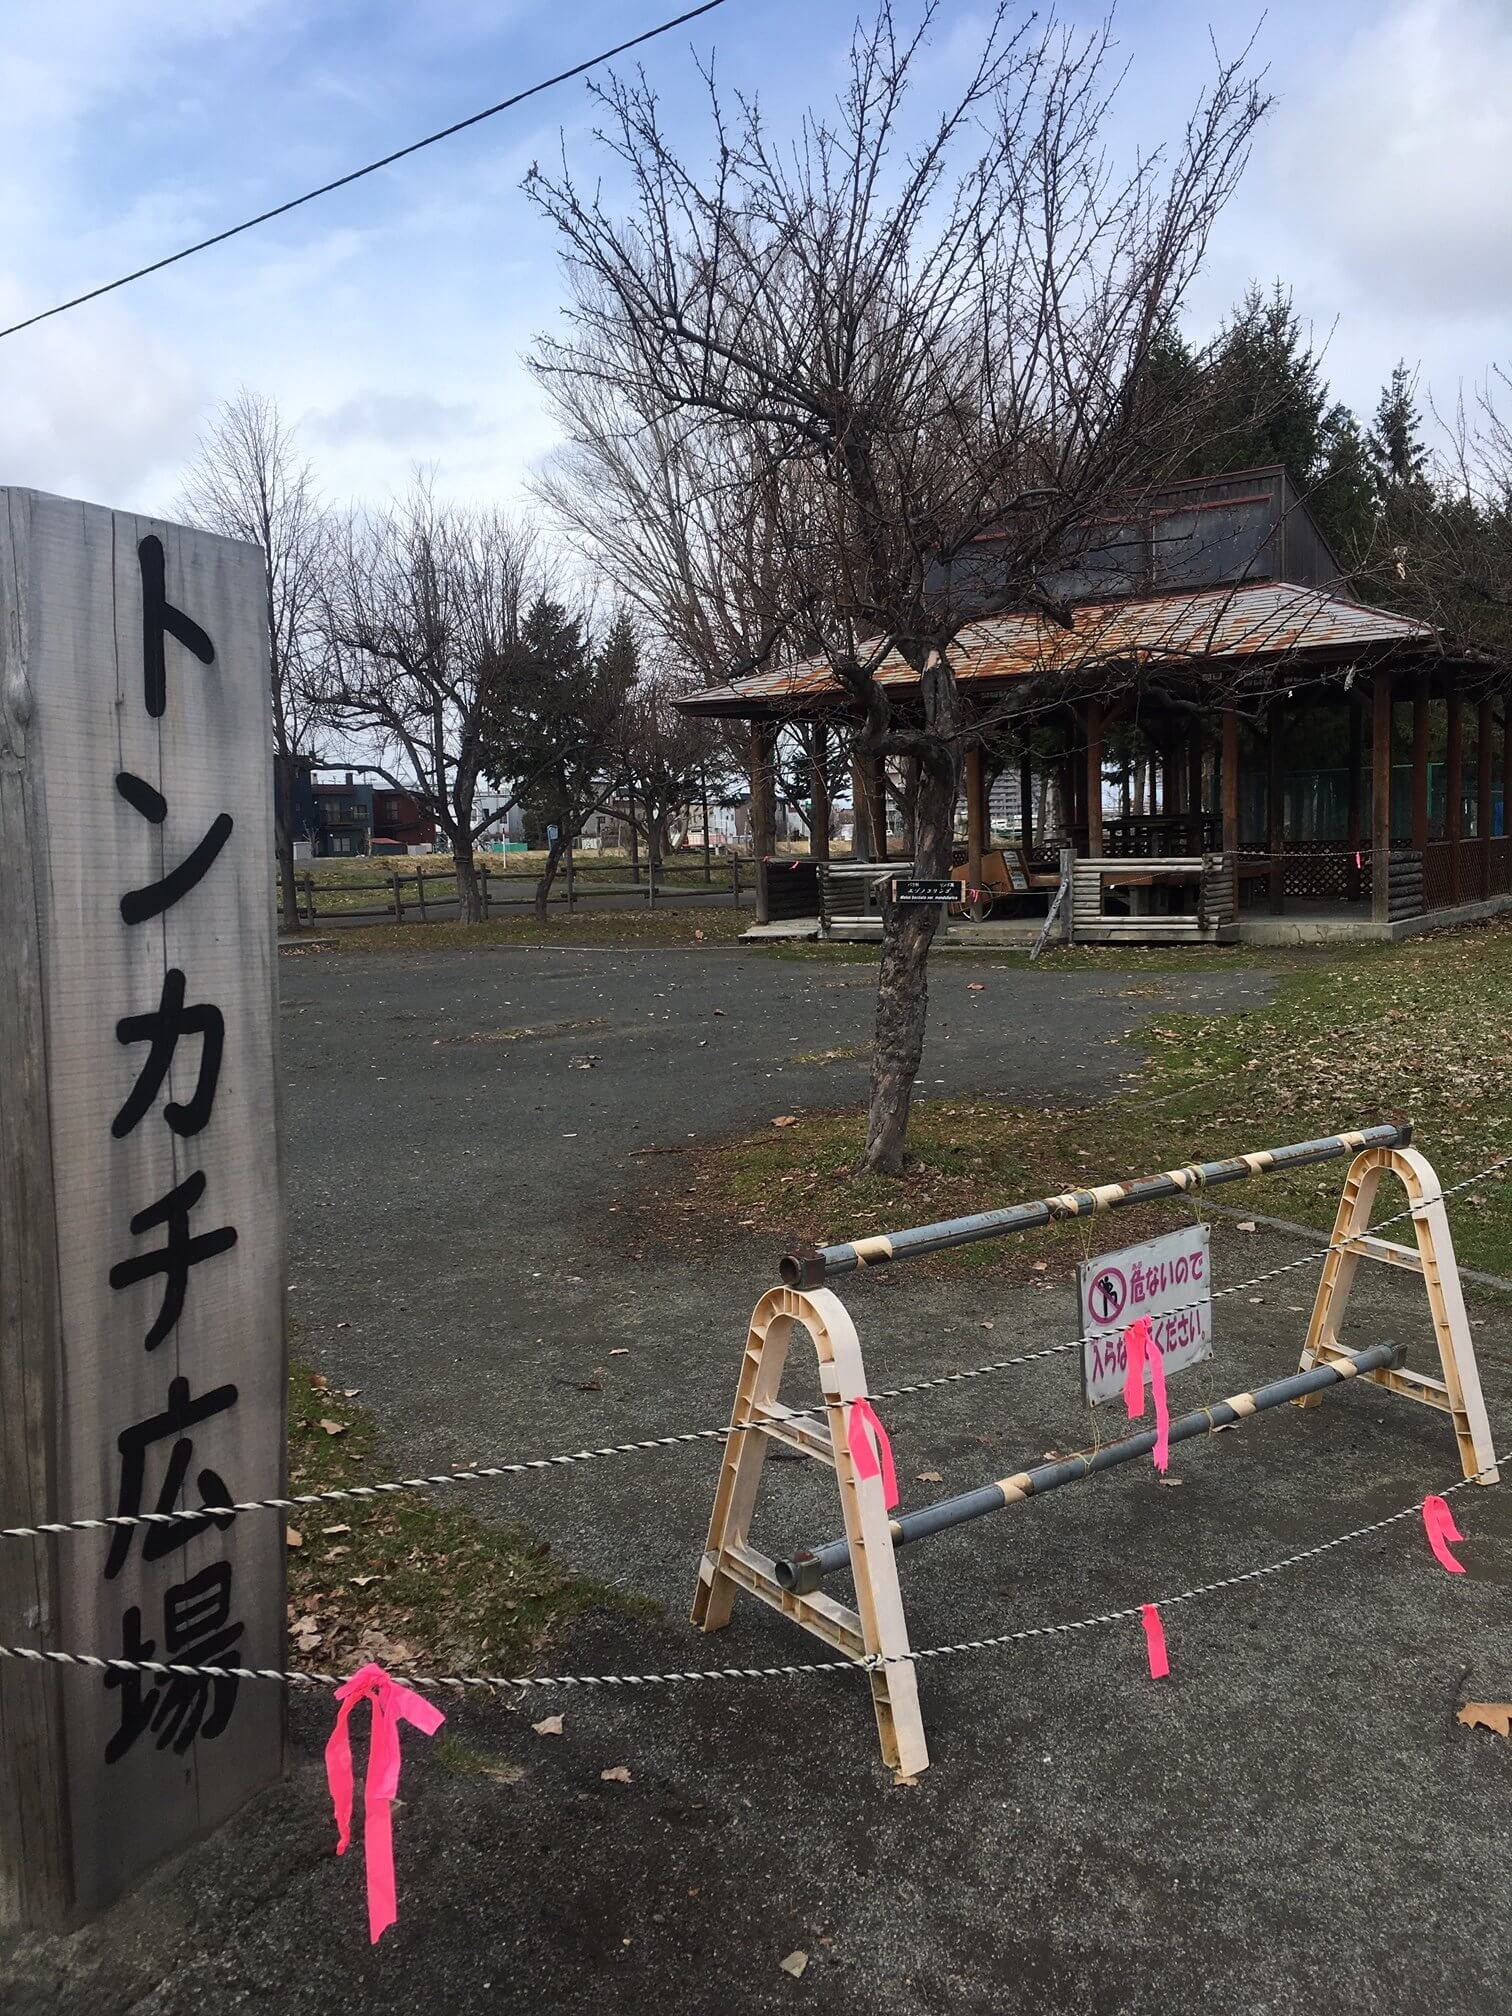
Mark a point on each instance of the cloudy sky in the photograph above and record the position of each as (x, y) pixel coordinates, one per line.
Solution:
(389, 320)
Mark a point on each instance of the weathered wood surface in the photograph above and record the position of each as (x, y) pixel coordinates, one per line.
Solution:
(102, 1778)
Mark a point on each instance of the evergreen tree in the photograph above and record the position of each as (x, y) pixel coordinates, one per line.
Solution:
(1343, 496)
(1395, 442)
(1267, 395)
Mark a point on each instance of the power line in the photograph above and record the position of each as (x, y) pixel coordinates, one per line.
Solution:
(356, 175)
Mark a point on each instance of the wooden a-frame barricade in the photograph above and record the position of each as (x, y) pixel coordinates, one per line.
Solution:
(1457, 1392)
(877, 1627)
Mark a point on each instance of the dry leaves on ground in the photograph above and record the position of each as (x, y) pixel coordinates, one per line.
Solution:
(617, 1774)
(1493, 1715)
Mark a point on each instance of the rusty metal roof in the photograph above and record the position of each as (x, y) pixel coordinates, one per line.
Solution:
(1262, 620)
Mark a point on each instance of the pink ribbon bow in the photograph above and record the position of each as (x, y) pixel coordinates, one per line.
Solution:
(1438, 1521)
(1140, 1345)
(1155, 1645)
(871, 1452)
(392, 1704)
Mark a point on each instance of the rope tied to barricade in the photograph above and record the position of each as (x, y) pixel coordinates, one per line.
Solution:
(521, 1684)
(478, 1473)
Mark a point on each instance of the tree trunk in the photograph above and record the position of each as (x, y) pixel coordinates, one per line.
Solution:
(469, 891)
(634, 837)
(283, 836)
(287, 885)
(554, 855)
(908, 932)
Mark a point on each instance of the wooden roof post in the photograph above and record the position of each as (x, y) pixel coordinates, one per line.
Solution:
(974, 816)
(1026, 797)
(1275, 806)
(1094, 779)
(819, 793)
(1420, 762)
(1483, 732)
(1380, 798)
(1353, 879)
(1455, 787)
(763, 805)
(1228, 783)
(861, 846)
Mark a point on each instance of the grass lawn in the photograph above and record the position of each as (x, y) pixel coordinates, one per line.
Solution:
(682, 926)
(416, 1579)
(1420, 1030)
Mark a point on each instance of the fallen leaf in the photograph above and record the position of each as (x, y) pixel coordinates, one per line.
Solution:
(350, 1392)
(1249, 1225)
(617, 1774)
(337, 1529)
(319, 1380)
(786, 1120)
(362, 1581)
(333, 1427)
(293, 1537)
(1171, 1483)
(1494, 1715)
(794, 1963)
(1040, 1266)
(929, 1477)
(335, 1553)
(987, 1323)
(549, 1725)
(620, 1351)
(719, 1011)
(698, 937)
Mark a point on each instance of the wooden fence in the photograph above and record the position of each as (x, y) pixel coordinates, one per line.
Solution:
(422, 897)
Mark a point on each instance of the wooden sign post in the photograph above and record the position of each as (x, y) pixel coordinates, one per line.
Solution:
(142, 1356)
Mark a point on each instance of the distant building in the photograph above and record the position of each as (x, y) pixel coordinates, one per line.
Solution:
(343, 818)
(399, 819)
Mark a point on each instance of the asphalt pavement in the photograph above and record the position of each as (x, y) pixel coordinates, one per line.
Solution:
(1292, 1821)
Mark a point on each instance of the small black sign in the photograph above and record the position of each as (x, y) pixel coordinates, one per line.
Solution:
(925, 892)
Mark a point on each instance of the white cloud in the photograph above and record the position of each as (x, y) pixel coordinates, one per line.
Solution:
(1399, 158)
(99, 410)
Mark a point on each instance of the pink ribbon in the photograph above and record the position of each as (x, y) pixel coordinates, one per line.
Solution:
(1155, 1644)
(1141, 1348)
(1438, 1522)
(871, 1452)
(392, 1704)
(1358, 862)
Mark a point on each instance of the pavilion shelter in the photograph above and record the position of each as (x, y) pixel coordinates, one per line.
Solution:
(1308, 765)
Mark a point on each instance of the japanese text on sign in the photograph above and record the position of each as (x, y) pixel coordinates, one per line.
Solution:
(1166, 1279)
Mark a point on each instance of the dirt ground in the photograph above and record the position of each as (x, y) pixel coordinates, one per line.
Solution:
(1292, 1820)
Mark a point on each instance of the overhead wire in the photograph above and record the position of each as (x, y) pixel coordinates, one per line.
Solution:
(371, 168)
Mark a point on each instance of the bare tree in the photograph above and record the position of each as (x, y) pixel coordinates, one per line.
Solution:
(664, 757)
(423, 614)
(249, 481)
(899, 352)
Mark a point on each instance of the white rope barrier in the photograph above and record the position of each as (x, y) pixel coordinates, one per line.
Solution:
(483, 1473)
(525, 1683)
